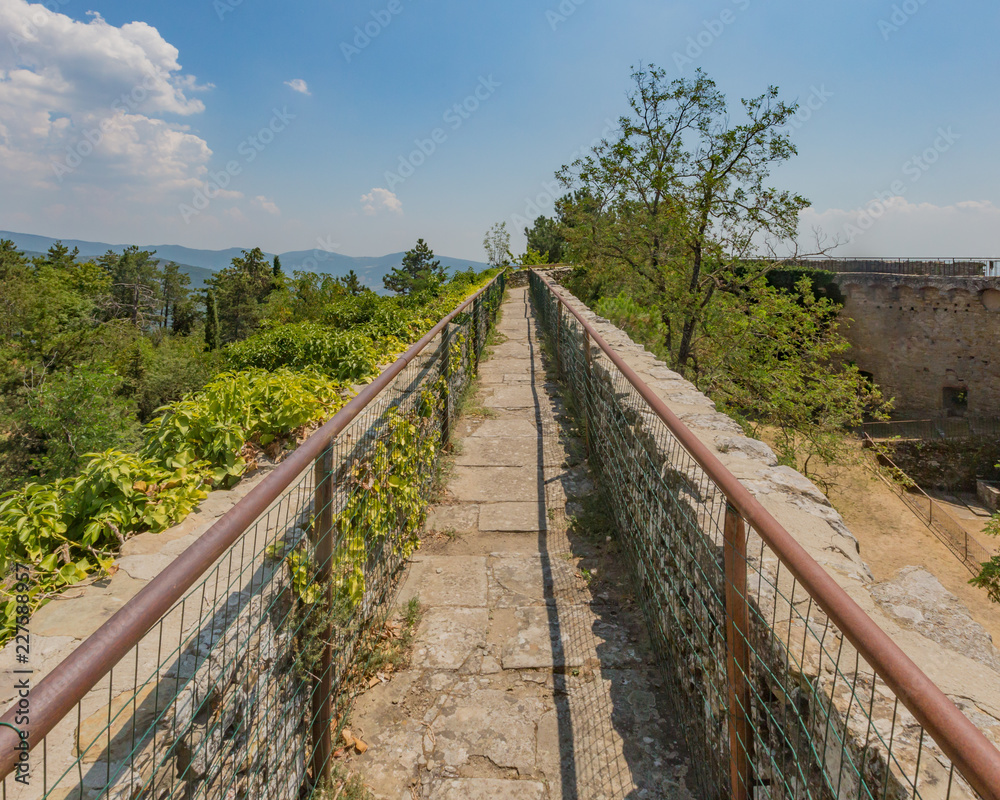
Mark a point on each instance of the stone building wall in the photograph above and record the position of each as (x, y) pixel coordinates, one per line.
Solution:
(927, 341)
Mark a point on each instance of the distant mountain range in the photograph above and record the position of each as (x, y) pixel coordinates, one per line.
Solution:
(200, 264)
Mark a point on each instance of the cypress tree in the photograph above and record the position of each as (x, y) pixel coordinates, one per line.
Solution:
(211, 323)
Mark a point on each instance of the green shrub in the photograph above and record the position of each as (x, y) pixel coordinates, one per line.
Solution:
(213, 425)
(348, 356)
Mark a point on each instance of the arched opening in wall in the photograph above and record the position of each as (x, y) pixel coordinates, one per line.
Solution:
(955, 400)
(991, 299)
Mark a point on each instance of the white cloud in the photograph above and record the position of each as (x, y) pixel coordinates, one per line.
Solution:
(898, 227)
(298, 85)
(81, 104)
(267, 205)
(378, 199)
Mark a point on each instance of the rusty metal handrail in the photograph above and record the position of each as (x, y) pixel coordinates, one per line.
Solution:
(56, 694)
(960, 740)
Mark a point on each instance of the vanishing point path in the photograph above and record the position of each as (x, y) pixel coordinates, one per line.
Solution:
(531, 677)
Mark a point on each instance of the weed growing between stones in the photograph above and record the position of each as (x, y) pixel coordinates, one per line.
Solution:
(388, 650)
(343, 786)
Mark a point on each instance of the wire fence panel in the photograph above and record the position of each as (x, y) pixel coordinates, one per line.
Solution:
(937, 267)
(945, 428)
(777, 702)
(237, 688)
(952, 533)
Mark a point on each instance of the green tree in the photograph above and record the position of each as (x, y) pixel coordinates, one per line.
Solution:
(277, 276)
(174, 293)
(352, 283)
(137, 282)
(496, 242)
(533, 258)
(668, 215)
(240, 292)
(420, 272)
(212, 340)
(184, 316)
(72, 413)
(989, 576)
(678, 198)
(15, 277)
(545, 237)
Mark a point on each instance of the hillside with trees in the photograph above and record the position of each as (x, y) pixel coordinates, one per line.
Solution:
(126, 397)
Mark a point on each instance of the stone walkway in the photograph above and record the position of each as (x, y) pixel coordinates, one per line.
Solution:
(531, 677)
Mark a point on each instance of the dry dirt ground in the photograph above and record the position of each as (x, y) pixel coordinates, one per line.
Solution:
(892, 537)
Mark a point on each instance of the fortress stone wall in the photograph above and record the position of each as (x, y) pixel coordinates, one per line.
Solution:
(932, 343)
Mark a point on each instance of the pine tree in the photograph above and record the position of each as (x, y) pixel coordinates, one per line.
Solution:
(211, 323)
(352, 283)
(420, 271)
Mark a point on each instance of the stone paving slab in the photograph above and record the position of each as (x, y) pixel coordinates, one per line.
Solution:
(488, 789)
(525, 364)
(505, 428)
(446, 581)
(448, 637)
(482, 484)
(514, 517)
(514, 451)
(518, 580)
(458, 518)
(543, 637)
(522, 396)
(492, 724)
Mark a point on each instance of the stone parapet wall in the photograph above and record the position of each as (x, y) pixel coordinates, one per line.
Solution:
(925, 620)
(202, 688)
(926, 340)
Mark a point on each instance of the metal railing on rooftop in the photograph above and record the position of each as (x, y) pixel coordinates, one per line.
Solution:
(786, 687)
(943, 428)
(225, 676)
(933, 266)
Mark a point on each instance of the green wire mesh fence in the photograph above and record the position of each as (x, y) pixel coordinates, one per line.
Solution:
(952, 533)
(777, 700)
(945, 428)
(236, 689)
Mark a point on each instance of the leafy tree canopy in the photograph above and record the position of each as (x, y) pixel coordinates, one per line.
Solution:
(666, 219)
(546, 237)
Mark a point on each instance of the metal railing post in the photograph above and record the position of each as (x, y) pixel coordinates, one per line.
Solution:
(322, 700)
(445, 384)
(586, 391)
(737, 655)
(476, 309)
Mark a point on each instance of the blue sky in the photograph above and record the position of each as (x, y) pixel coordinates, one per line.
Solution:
(321, 124)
